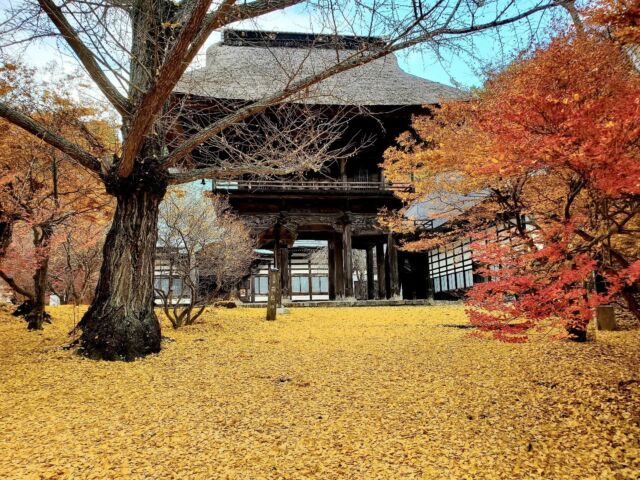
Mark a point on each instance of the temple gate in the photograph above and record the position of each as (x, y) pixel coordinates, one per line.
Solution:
(339, 205)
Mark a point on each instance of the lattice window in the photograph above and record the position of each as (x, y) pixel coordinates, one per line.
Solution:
(261, 285)
(451, 268)
(320, 284)
(300, 284)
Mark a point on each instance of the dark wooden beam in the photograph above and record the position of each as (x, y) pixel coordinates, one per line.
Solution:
(310, 279)
(382, 291)
(284, 272)
(348, 260)
(339, 268)
(427, 273)
(371, 294)
(394, 277)
(332, 268)
(252, 289)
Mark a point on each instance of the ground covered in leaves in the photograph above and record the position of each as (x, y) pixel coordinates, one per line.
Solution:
(360, 393)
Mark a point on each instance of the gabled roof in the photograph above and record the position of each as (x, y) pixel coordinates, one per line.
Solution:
(248, 65)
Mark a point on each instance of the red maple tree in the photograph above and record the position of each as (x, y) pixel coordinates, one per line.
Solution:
(550, 150)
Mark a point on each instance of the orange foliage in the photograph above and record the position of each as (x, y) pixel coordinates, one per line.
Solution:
(622, 17)
(42, 190)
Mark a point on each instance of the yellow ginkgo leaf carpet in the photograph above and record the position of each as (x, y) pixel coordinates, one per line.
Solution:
(362, 393)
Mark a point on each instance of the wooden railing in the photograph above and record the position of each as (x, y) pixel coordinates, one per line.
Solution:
(307, 185)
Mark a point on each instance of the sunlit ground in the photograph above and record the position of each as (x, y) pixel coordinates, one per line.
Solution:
(361, 393)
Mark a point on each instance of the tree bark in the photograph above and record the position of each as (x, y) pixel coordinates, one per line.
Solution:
(37, 315)
(121, 323)
(6, 235)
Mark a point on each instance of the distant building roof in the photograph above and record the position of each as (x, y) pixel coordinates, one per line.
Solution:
(248, 65)
(441, 207)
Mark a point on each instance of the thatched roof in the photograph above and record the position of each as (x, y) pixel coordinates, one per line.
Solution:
(247, 65)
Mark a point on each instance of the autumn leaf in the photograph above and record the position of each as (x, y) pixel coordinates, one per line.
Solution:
(322, 393)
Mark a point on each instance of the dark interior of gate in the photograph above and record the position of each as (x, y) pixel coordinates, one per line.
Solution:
(338, 211)
(326, 221)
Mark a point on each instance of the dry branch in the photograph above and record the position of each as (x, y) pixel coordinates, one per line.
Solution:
(37, 129)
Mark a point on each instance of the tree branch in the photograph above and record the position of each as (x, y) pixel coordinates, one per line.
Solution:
(14, 286)
(166, 78)
(612, 230)
(27, 123)
(258, 8)
(222, 17)
(85, 56)
(498, 23)
(570, 7)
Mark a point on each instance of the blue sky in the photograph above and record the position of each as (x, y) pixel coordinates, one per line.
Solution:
(463, 70)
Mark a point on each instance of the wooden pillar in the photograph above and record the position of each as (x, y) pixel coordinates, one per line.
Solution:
(347, 257)
(343, 169)
(382, 291)
(387, 287)
(284, 272)
(332, 268)
(276, 254)
(394, 277)
(429, 279)
(339, 269)
(371, 290)
(310, 278)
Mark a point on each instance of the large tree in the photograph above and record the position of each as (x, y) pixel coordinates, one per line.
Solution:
(135, 52)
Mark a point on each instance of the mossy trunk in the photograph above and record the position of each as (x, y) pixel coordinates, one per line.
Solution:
(121, 323)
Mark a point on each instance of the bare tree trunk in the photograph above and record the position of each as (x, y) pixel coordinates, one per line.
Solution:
(570, 7)
(37, 316)
(121, 323)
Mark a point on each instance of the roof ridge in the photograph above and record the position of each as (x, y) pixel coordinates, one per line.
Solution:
(266, 38)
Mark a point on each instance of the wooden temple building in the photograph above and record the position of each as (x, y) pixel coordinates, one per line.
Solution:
(339, 205)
